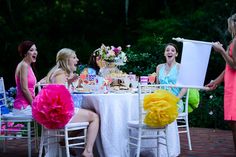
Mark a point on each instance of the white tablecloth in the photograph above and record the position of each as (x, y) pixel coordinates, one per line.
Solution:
(115, 110)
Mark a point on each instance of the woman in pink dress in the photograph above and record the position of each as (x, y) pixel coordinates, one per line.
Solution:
(25, 79)
(228, 76)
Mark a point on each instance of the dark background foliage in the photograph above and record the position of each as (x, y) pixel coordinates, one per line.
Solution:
(83, 25)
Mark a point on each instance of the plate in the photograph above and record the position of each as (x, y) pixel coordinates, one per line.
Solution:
(82, 92)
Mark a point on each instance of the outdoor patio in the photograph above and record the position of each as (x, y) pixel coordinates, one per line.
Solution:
(205, 143)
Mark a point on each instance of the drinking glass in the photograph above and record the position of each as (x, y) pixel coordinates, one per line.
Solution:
(127, 81)
(82, 77)
(75, 83)
(108, 81)
(151, 78)
(134, 84)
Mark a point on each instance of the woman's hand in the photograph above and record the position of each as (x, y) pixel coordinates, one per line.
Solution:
(73, 78)
(211, 86)
(218, 47)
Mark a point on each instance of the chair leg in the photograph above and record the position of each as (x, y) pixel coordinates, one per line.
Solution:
(5, 138)
(36, 141)
(4, 143)
(167, 143)
(129, 148)
(139, 143)
(67, 143)
(41, 143)
(188, 134)
(29, 138)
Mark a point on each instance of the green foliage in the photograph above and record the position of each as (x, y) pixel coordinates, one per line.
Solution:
(84, 25)
(143, 60)
(210, 113)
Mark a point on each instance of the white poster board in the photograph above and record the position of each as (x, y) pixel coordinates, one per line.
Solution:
(194, 63)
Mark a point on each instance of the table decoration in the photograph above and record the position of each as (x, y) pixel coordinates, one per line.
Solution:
(161, 107)
(112, 54)
(113, 57)
(53, 107)
(144, 80)
(194, 99)
(13, 128)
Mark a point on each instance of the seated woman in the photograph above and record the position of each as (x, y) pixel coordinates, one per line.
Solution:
(25, 79)
(167, 73)
(94, 65)
(62, 73)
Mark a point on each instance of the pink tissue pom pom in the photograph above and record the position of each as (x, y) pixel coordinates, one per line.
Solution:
(53, 106)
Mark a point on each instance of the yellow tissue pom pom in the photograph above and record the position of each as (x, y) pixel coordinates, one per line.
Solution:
(158, 95)
(161, 107)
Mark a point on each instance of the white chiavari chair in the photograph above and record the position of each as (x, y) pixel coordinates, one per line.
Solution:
(27, 132)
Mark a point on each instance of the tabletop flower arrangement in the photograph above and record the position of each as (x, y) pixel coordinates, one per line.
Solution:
(112, 54)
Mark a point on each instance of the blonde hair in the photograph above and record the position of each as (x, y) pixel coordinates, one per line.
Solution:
(62, 62)
(232, 25)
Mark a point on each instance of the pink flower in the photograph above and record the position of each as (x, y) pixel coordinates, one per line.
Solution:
(53, 107)
(117, 50)
(12, 128)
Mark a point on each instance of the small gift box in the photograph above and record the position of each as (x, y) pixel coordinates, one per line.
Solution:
(91, 77)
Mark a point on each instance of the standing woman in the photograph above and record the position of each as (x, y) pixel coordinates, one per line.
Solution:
(62, 73)
(228, 76)
(25, 79)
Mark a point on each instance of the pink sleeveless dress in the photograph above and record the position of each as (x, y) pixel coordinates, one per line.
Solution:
(230, 90)
(20, 101)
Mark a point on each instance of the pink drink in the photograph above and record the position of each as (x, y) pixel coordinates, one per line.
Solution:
(82, 77)
(151, 78)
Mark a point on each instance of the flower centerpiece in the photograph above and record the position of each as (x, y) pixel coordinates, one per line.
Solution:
(112, 54)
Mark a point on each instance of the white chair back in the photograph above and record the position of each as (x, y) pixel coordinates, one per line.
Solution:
(17, 119)
(3, 99)
(140, 135)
